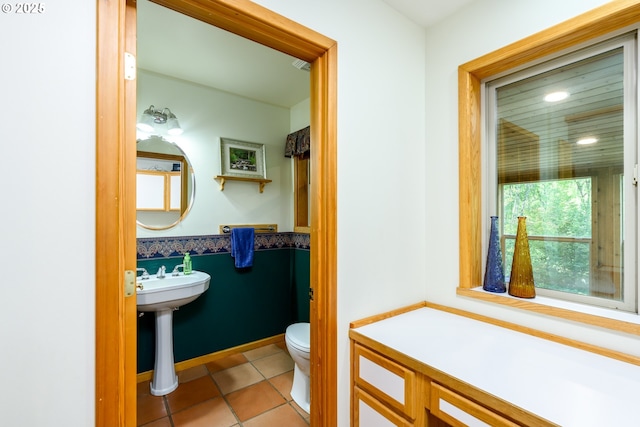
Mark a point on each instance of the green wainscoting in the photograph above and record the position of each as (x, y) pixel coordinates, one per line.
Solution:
(301, 277)
(240, 306)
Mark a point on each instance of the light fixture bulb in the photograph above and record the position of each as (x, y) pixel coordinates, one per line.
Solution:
(587, 141)
(556, 96)
(146, 120)
(173, 127)
(145, 124)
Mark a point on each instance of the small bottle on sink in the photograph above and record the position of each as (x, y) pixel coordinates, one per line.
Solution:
(187, 263)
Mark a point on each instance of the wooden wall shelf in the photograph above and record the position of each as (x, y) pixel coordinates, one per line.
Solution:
(224, 178)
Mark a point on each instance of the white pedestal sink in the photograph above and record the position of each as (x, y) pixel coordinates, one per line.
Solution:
(162, 296)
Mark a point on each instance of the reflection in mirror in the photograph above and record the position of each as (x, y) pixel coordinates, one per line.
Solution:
(165, 184)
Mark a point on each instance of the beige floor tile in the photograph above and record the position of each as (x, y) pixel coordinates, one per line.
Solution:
(149, 407)
(261, 352)
(211, 413)
(197, 401)
(192, 373)
(283, 383)
(281, 416)
(238, 377)
(275, 364)
(254, 400)
(301, 411)
(142, 388)
(226, 363)
(191, 393)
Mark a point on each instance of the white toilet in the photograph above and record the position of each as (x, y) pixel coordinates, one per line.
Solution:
(298, 341)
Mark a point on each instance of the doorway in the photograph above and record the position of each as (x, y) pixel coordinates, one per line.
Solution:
(115, 204)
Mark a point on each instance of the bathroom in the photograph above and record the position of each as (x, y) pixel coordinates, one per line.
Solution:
(241, 306)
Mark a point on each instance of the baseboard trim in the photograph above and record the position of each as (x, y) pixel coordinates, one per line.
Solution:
(190, 363)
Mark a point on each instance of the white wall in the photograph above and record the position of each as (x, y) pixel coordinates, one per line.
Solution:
(481, 27)
(49, 75)
(47, 134)
(388, 256)
(205, 115)
(381, 206)
(300, 115)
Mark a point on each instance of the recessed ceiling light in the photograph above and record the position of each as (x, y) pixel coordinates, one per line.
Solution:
(556, 96)
(587, 141)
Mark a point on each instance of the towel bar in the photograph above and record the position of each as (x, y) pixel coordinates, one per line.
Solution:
(258, 228)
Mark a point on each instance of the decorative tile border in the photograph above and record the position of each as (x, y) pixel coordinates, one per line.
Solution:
(167, 247)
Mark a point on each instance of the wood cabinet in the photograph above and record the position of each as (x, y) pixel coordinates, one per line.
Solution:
(458, 411)
(371, 412)
(388, 393)
(384, 387)
(431, 367)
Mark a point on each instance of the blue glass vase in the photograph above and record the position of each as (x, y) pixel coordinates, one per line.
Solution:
(494, 272)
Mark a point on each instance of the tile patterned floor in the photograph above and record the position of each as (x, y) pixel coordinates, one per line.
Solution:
(249, 389)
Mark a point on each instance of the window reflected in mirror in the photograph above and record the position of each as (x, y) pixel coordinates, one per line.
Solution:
(164, 184)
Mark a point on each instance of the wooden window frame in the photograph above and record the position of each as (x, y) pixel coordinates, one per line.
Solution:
(571, 34)
(167, 190)
(301, 206)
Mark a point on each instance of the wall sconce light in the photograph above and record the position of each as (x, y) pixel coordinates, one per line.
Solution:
(153, 118)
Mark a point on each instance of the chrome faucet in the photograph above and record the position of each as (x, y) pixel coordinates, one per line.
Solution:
(160, 273)
(175, 269)
(144, 275)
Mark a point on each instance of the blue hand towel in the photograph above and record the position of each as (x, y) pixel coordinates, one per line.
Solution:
(242, 246)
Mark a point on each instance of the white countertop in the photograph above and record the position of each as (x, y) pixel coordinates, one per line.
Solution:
(563, 384)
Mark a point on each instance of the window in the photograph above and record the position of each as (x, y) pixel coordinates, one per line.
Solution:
(158, 191)
(560, 142)
(301, 201)
(298, 147)
(591, 27)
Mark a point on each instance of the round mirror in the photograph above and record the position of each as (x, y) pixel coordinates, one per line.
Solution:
(165, 184)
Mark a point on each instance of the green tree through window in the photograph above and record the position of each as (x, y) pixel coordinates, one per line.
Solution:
(559, 227)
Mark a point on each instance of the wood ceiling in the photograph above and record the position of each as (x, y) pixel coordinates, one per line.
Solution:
(537, 139)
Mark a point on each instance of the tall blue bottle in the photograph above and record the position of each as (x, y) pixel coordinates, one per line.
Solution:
(494, 272)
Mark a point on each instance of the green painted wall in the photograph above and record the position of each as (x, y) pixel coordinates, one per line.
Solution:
(239, 307)
(300, 276)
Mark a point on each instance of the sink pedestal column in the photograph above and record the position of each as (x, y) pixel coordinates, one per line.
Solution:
(165, 379)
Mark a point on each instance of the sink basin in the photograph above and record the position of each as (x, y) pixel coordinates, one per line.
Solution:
(172, 291)
(163, 296)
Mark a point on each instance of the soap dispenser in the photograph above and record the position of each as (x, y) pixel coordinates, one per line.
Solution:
(187, 263)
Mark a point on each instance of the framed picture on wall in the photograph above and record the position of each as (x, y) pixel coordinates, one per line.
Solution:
(242, 159)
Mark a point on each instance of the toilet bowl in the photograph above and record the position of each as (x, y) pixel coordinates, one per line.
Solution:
(297, 339)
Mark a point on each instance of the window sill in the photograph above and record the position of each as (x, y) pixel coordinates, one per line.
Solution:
(605, 318)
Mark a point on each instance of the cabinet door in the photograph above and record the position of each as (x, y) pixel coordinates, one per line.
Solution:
(386, 380)
(369, 412)
(462, 412)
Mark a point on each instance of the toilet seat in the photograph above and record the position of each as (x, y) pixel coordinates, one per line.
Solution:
(298, 336)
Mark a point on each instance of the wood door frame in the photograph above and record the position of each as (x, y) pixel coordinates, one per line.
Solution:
(115, 212)
(115, 341)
